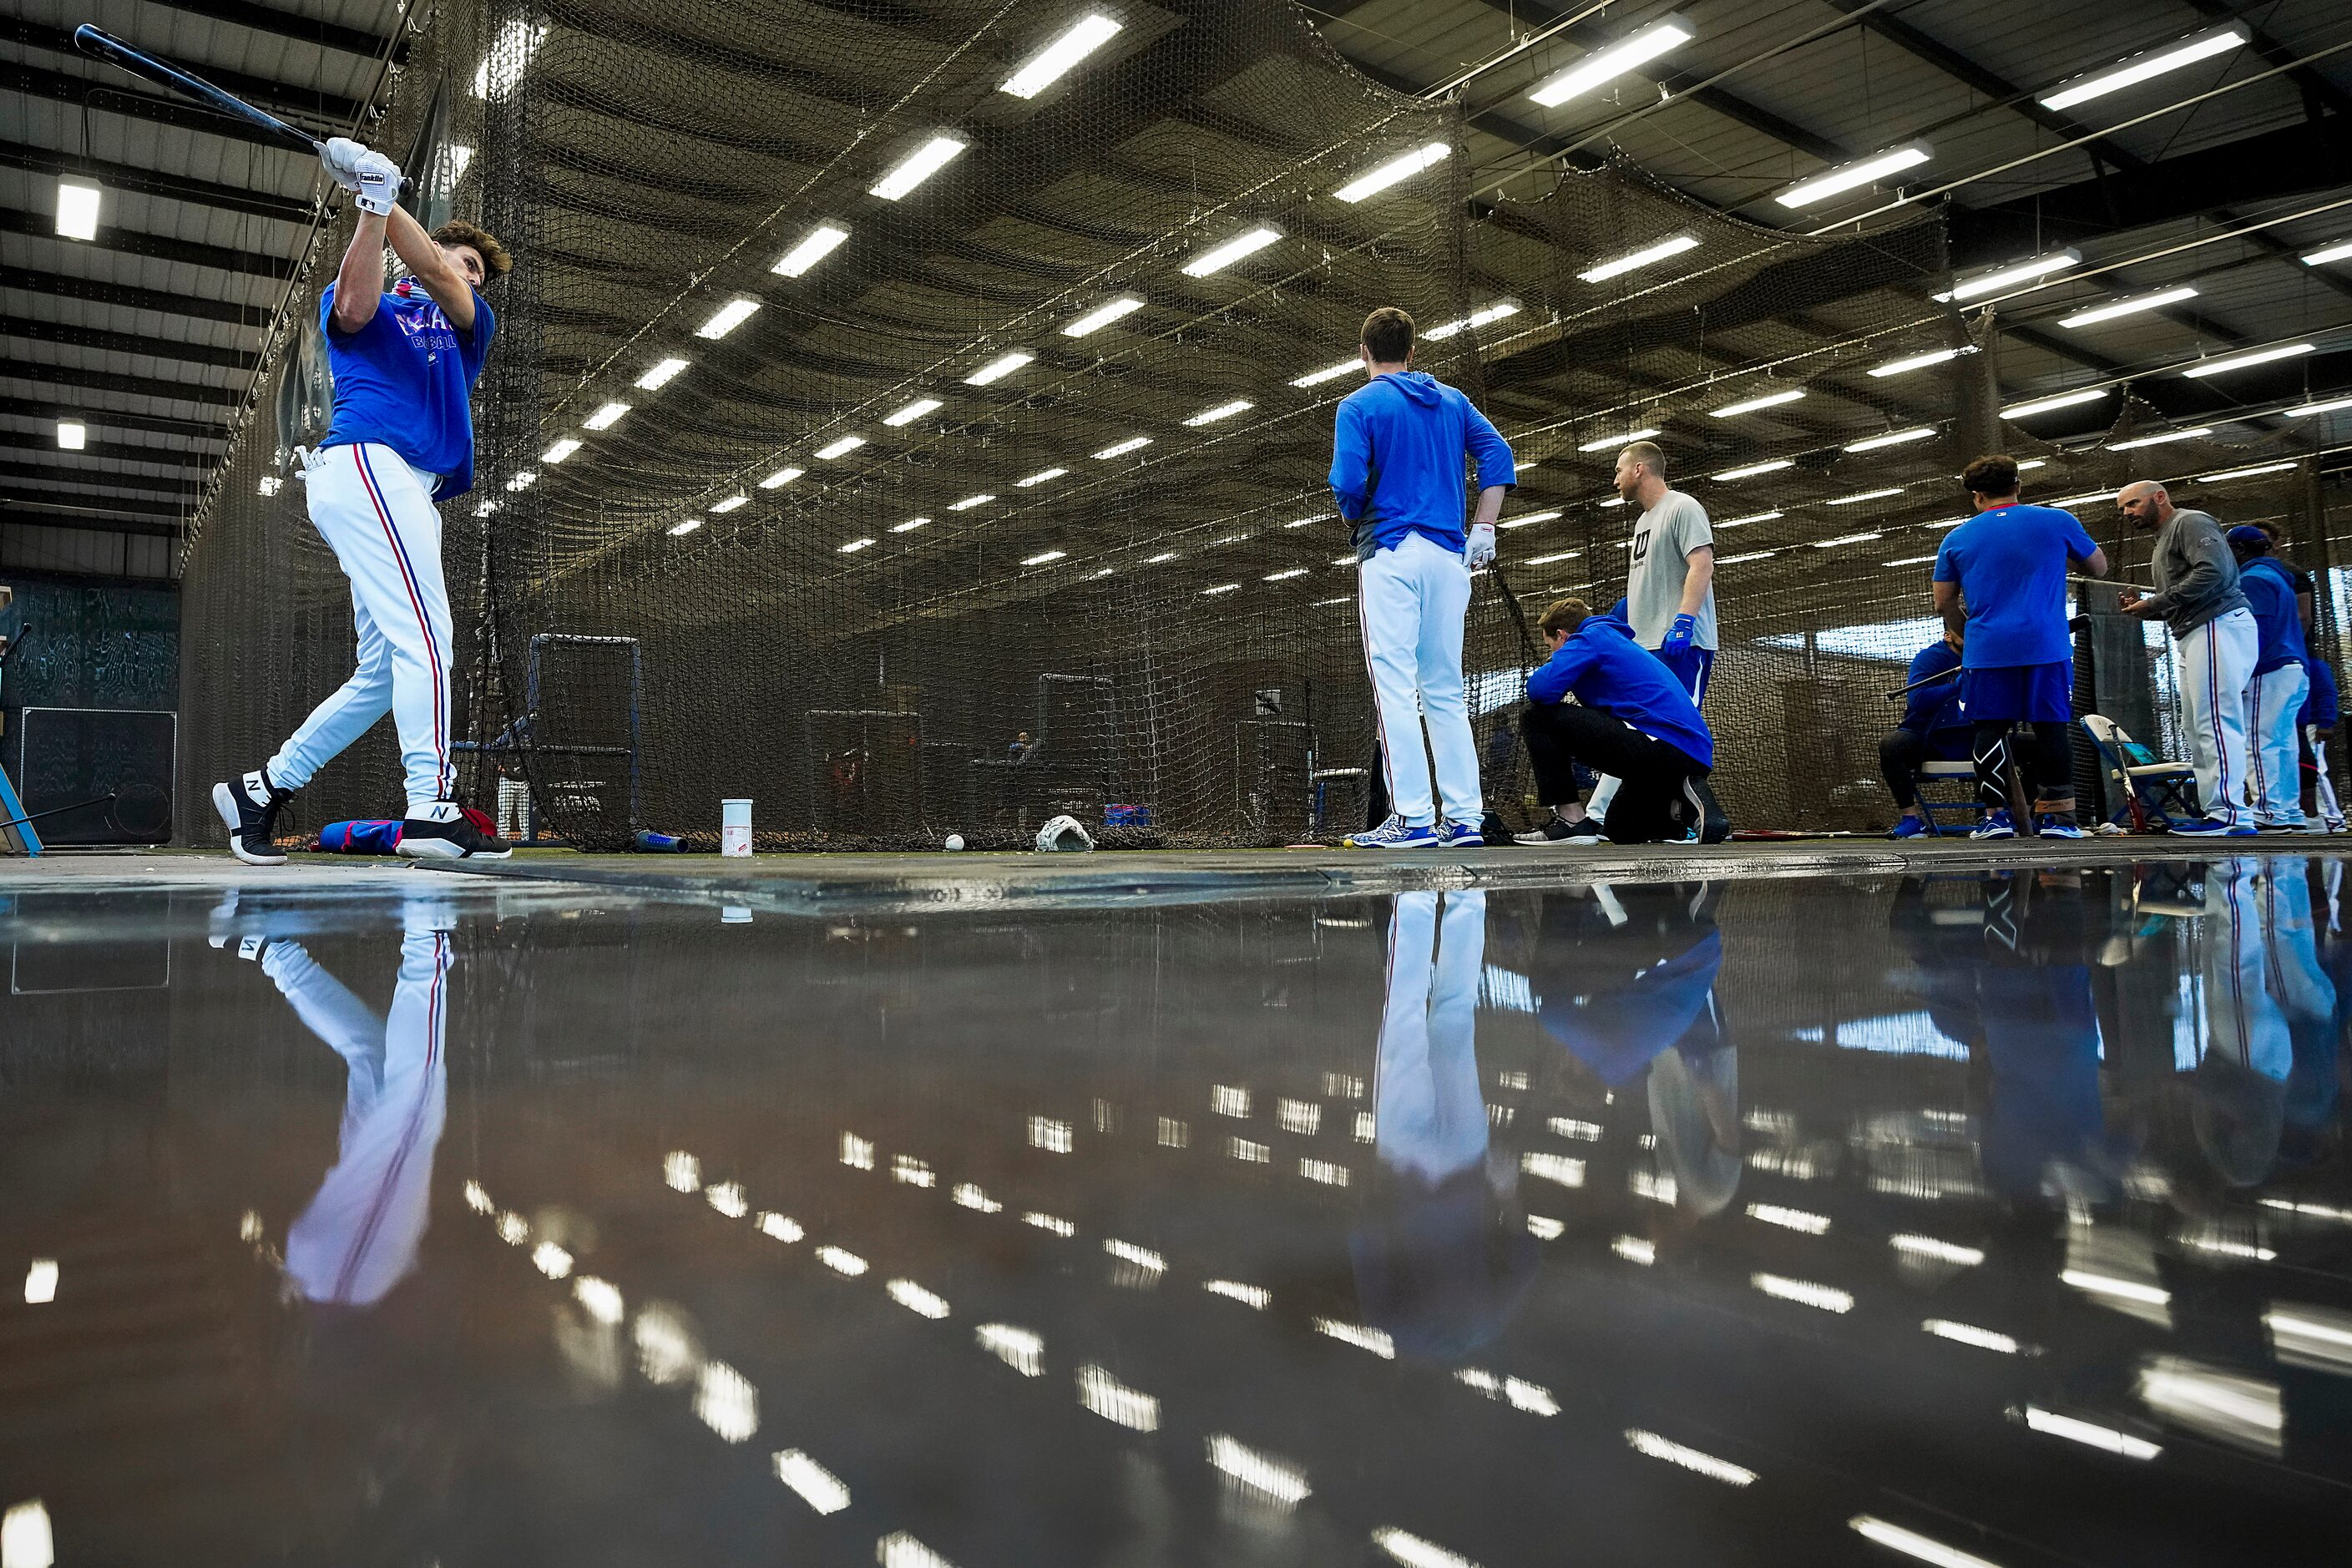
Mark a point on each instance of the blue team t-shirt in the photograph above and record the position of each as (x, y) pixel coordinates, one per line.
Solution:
(2010, 564)
(405, 381)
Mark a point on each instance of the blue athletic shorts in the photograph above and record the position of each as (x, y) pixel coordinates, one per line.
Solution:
(2040, 693)
(1694, 666)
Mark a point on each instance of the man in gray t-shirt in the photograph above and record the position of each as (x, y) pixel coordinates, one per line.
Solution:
(1670, 577)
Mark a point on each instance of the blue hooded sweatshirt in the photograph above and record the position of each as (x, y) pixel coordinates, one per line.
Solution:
(2270, 591)
(2319, 708)
(1602, 667)
(1396, 460)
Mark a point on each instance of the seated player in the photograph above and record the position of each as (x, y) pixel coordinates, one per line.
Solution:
(2319, 719)
(1935, 728)
(2275, 690)
(1632, 719)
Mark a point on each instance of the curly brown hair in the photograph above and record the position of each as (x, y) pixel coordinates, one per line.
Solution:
(496, 262)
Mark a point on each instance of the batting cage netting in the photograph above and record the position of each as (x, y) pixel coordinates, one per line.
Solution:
(906, 503)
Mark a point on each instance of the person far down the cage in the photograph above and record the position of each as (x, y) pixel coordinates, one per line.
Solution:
(1397, 454)
(1633, 720)
(1669, 580)
(2001, 578)
(405, 362)
(1934, 728)
(2215, 645)
(2276, 690)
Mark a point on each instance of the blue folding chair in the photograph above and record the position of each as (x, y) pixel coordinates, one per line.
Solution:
(1940, 774)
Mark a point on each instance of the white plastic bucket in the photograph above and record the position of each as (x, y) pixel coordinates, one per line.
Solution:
(735, 828)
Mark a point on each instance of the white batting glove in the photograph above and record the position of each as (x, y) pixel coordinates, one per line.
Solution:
(379, 187)
(1480, 549)
(340, 156)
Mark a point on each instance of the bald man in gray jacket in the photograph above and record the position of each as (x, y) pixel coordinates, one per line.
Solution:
(2215, 644)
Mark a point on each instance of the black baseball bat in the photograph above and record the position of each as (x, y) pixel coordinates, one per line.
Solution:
(2078, 624)
(104, 46)
(61, 810)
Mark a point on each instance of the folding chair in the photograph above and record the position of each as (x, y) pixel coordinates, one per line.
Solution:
(2150, 790)
(1963, 774)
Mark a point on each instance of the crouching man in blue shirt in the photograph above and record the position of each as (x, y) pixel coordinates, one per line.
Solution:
(1632, 719)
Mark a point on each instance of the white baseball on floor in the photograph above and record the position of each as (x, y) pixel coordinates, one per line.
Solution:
(955, 841)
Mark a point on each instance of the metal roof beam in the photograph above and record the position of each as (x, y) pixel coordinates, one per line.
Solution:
(124, 295)
(285, 99)
(2317, 91)
(34, 81)
(135, 484)
(141, 343)
(20, 505)
(148, 183)
(288, 25)
(114, 451)
(135, 386)
(112, 419)
(161, 247)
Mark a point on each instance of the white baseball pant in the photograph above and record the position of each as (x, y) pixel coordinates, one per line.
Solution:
(376, 513)
(1428, 1116)
(2274, 701)
(2211, 666)
(2330, 812)
(1409, 603)
(359, 1237)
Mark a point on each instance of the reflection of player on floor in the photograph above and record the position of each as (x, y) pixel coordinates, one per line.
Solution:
(2213, 643)
(1397, 454)
(2002, 576)
(2276, 690)
(404, 364)
(1669, 579)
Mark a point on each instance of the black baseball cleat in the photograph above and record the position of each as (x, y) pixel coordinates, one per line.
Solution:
(447, 831)
(250, 806)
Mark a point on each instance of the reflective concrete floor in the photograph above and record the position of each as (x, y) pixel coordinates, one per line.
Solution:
(1982, 1217)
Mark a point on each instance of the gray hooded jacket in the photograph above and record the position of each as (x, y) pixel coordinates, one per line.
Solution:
(2196, 575)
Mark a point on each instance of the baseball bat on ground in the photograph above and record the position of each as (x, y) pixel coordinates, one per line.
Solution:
(105, 45)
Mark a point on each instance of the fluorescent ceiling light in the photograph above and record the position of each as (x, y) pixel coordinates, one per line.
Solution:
(77, 209)
(1616, 501)
(689, 526)
(1050, 64)
(1861, 171)
(1494, 312)
(1751, 517)
(1328, 372)
(1222, 411)
(1156, 560)
(1548, 560)
(2029, 463)
(1752, 470)
(2140, 68)
(560, 451)
(1606, 64)
(997, 369)
(2089, 1433)
(908, 526)
(522, 481)
(1844, 538)
(1039, 477)
(1866, 495)
(912, 412)
(730, 504)
(2340, 251)
(1627, 439)
(780, 478)
(2253, 357)
(1043, 556)
(604, 418)
(917, 166)
(1919, 361)
(2015, 272)
(855, 545)
(2045, 405)
(841, 448)
(1245, 244)
(2140, 441)
(821, 242)
(2245, 473)
(1891, 438)
(969, 502)
(272, 483)
(1102, 315)
(1909, 561)
(2131, 307)
(1769, 400)
(727, 318)
(1388, 173)
(1284, 575)
(663, 373)
(72, 435)
(1221, 588)
(2329, 406)
(1121, 449)
(1751, 555)
(1305, 521)
(1642, 257)
(1531, 517)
